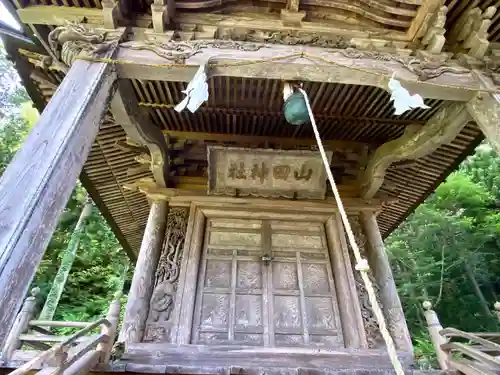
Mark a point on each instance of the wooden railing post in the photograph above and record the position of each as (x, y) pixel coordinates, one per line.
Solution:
(497, 310)
(434, 327)
(113, 317)
(20, 326)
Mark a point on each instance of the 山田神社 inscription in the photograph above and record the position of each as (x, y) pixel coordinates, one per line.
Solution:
(266, 173)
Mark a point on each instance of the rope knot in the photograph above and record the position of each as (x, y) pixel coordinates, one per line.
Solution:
(362, 265)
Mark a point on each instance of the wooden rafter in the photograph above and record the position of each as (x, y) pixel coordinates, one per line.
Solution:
(283, 141)
(415, 143)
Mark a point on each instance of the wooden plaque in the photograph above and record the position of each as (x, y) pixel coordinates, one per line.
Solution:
(266, 173)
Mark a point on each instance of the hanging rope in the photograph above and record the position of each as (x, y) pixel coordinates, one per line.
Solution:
(362, 265)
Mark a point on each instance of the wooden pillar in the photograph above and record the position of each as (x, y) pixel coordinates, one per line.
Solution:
(381, 268)
(435, 327)
(36, 185)
(350, 312)
(136, 311)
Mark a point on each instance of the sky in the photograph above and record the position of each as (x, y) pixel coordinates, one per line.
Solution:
(6, 17)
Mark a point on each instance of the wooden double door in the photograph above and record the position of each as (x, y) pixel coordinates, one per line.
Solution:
(266, 283)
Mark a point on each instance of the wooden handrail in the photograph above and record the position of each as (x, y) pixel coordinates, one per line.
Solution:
(60, 348)
(473, 353)
(453, 332)
(51, 323)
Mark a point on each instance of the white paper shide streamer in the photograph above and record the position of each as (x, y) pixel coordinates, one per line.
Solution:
(402, 99)
(196, 91)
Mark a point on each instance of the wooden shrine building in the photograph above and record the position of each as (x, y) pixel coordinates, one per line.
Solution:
(242, 260)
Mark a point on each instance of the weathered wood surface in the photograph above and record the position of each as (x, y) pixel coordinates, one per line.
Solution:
(434, 327)
(485, 110)
(188, 277)
(356, 69)
(139, 296)
(415, 143)
(182, 197)
(113, 317)
(140, 129)
(349, 305)
(257, 139)
(36, 185)
(267, 283)
(379, 263)
(247, 357)
(20, 326)
(53, 323)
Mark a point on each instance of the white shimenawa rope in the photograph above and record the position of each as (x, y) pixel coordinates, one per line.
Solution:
(362, 264)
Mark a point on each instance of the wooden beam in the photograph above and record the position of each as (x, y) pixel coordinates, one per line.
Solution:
(442, 128)
(36, 185)
(485, 110)
(153, 61)
(58, 15)
(140, 129)
(183, 196)
(284, 141)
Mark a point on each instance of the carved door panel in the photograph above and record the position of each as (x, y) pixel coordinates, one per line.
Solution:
(302, 292)
(229, 306)
(266, 283)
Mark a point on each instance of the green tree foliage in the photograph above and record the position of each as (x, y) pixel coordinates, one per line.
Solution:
(447, 251)
(54, 296)
(101, 265)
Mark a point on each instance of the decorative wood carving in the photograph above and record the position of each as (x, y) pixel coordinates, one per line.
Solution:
(470, 32)
(67, 42)
(424, 69)
(167, 273)
(111, 13)
(162, 14)
(275, 289)
(416, 142)
(180, 51)
(434, 38)
(373, 335)
(266, 173)
(381, 269)
(485, 110)
(141, 130)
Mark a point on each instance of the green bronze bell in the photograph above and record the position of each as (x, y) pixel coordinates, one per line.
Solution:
(295, 109)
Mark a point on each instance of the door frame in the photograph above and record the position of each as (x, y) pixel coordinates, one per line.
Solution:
(327, 214)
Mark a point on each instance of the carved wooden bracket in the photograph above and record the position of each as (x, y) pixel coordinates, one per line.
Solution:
(470, 32)
(140, 129)
(415, 143)
(434, 38)
(110, 13)
(485, 110)
(162, 13)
